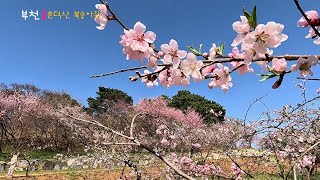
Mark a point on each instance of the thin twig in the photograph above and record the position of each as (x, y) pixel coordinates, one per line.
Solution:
(303, 104)
(97, 124)
(120, 144)
(247, 112)
(132, 123)
(137, 143)
(119, 71)
(223, 59)
(303, 154)
(113, 15)
(309, 79)
(240, 167)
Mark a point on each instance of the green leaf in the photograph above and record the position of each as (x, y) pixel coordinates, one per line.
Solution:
(263, 79)
(267, 76)
(200, 47)
(194, 51)
(254, 16)
(250, 22)
(246, 13)
(220, 49)
(263, 74)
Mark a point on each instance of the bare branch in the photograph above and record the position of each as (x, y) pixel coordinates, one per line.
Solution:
(119, 71)
(120, 144)
(97, 124)
(309, 79)
(132, 123)
(223, 59)
(240, 167)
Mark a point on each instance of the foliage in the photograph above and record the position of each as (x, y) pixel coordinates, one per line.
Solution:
(106, 98)
(211, 111)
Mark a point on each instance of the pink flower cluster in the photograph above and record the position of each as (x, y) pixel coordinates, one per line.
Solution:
(102, 18)
(237, 171)
(314, 18)
(255, 42)
(22, 105)
(178, 67)
(168, 137)
(194, 169)
(304, 65)
(158, 107)
(136, 42)
(306, 161)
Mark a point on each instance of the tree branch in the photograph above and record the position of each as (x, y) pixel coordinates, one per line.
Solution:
(132, 123)
(224, 59)
(240, 167)
(97, 124)
(114, 16)
(309, 79)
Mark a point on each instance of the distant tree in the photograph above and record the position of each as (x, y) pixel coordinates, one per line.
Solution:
(211, 111)
(29, 119)
(21, 88)
(166, 97)
(107, 98)
(59, 98)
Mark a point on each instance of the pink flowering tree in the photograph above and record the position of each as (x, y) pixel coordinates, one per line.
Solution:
(16, 111)
(292, 134)
(170, 65)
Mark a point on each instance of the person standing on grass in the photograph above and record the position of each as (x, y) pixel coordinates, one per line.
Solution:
(13, 164)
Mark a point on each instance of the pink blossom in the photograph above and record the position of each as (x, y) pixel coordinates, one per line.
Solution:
(318, 91)
(304, 65)
(192, 67)
(208, 70)
(317, 41)
(222, 79)
(172, 136)
(237, 171)
(242, 28)
(152, 62)
(148, 80)
(243, 69)
(279, 65)
(312, 34)
(158, 107)
(212, 51)
(306, 161)
(185, 162)
(172, 53)
(196, 146)
(136, 54)
(249, 53)
(264, 36)
(165, 78)
(102, 17)
(312, 15)
(178, 78)
(136, 41)
(165, 142)
(235, 53)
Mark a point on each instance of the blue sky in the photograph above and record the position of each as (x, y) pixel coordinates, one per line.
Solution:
(62, 54)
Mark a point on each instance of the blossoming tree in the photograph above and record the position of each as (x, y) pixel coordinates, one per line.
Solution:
(170, 65)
